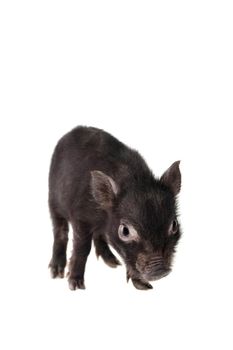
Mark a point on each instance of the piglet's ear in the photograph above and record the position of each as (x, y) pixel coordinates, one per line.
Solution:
(104, 189)
(172, 178)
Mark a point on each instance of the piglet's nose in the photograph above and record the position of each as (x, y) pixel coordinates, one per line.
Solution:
(156, 263)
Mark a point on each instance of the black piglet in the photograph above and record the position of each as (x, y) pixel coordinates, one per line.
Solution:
(109, 195)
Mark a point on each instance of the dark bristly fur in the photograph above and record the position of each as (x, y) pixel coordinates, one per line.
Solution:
(108, 194)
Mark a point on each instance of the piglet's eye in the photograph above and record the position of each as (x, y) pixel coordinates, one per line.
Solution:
(127, 233)
(173, 227)
(123, 232)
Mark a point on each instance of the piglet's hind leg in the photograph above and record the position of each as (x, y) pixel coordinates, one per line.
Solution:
(81, 249)
(60, 231)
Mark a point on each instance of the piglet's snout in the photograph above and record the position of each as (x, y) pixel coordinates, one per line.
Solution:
(156, 268)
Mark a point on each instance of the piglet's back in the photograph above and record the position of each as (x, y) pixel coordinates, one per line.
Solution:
(85, 149)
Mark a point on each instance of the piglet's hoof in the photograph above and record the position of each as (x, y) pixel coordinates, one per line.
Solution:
(112, 262)
(76, 284)
(56, 270)
(141, 284)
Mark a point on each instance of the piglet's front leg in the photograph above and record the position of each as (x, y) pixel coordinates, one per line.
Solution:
(137, 281)
(81, 249)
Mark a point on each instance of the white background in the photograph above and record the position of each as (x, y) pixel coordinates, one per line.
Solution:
(158, 75)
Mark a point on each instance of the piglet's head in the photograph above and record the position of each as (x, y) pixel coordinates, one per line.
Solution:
(142, 223)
